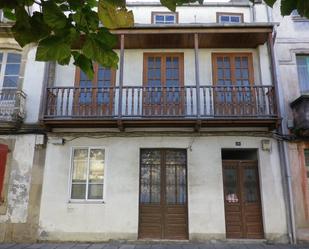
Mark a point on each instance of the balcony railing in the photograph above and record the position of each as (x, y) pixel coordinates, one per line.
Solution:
(12, 105)
(138, 102)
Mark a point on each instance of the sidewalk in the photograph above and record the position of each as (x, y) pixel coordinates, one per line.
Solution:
(141, 245)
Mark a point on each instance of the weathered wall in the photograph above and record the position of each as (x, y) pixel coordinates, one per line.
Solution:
(292, 39)
(22, 189)
(117, 217)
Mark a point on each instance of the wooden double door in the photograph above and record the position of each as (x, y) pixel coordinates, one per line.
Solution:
(163, 84)
(243, 211)
(163, 210)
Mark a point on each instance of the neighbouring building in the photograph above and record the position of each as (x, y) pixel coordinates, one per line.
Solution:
(292, 52)
(178, 143)
(21, 153)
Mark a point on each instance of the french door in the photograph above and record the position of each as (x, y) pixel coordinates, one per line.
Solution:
(94, 97)
(163, 194)
(243, 211)
(163, 92)
(233, 80)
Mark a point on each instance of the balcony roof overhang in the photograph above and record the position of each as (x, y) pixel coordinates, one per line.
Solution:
(211, 35)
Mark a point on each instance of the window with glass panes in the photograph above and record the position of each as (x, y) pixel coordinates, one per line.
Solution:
(229, 17)
(9, 69)
(164, 18)
(307, 163)
(87, 173)
(303, 72)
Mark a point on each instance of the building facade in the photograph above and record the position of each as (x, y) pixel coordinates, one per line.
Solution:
(292, 47)
(178, 143)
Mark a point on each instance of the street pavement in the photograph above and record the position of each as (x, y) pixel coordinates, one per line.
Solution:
(151, 245)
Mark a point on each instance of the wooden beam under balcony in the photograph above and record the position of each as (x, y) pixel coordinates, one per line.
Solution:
(244, 35)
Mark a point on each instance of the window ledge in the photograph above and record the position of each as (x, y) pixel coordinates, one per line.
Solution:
(86, 202)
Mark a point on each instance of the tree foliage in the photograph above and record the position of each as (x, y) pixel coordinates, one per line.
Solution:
(79, 29)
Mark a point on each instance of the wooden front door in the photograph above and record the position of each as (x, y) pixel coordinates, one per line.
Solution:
(94, 97)
(163, 194)
(233, 80)
(163, 92)
(243, 211)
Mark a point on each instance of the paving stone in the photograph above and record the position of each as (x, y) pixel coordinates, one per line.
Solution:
(6, 245)
(65, 246)
(97, 246)
(19, 246)
(37, 246)
(127, 247)
(158, 246)
(111, 246)
(206, 246)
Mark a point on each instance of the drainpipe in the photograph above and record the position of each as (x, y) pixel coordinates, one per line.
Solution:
(283, 154)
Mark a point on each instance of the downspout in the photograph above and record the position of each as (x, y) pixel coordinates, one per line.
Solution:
(284, 160)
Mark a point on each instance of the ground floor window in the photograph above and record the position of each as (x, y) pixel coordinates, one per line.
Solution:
(87, 177)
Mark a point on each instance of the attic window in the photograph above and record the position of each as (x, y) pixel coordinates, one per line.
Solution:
(230, 17)
(164, 17)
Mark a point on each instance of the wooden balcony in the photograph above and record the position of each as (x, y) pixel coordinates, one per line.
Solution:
(300, 108)
(137, 106)
(12, 108)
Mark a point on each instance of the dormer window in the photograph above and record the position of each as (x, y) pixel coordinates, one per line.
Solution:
(164, 17)
(230, 17)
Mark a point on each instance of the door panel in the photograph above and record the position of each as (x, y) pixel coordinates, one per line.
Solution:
(163, 194)
(233, 76)
(163, 92)
(243, 212)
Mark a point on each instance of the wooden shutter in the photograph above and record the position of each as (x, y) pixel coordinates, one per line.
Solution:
(3, 155)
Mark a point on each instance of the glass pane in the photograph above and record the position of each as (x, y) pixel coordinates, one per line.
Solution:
(170, 18)
(10, 81)
(224, 18)
(230, 185)
(150, 176)
(80, 162)
(12, 69)
(78, 191)
(96, 166)
(1, 57)
(159, 18)
(250, 184)
(95, 191)
(14, 58)
(303, 72)
(235, 19)
(245, 73)
(175, 177)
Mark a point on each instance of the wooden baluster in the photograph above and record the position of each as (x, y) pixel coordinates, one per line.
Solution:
(191, 102)
(67, 102)
(210, 89)
(138, 101)
(133, 101)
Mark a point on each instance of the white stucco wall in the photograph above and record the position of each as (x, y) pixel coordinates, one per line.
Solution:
(19, 167)
(32, 86)
(117, 217)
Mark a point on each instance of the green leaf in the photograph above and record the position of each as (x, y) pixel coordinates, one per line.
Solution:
(270, 2)
(53, 16)
(114, 17)
(94, 49)
(83, 63)
(170, 4)
(287, 6)
(106, 38)
(53, 48)
(9, 14)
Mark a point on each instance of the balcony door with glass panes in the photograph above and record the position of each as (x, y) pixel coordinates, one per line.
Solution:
(242, 199)
(233, 79)
(163, 209)
(87, 177)
(163, 84)
(9, 74)
(94, 97)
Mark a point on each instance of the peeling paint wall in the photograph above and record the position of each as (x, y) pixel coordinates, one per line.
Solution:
(17, 208)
